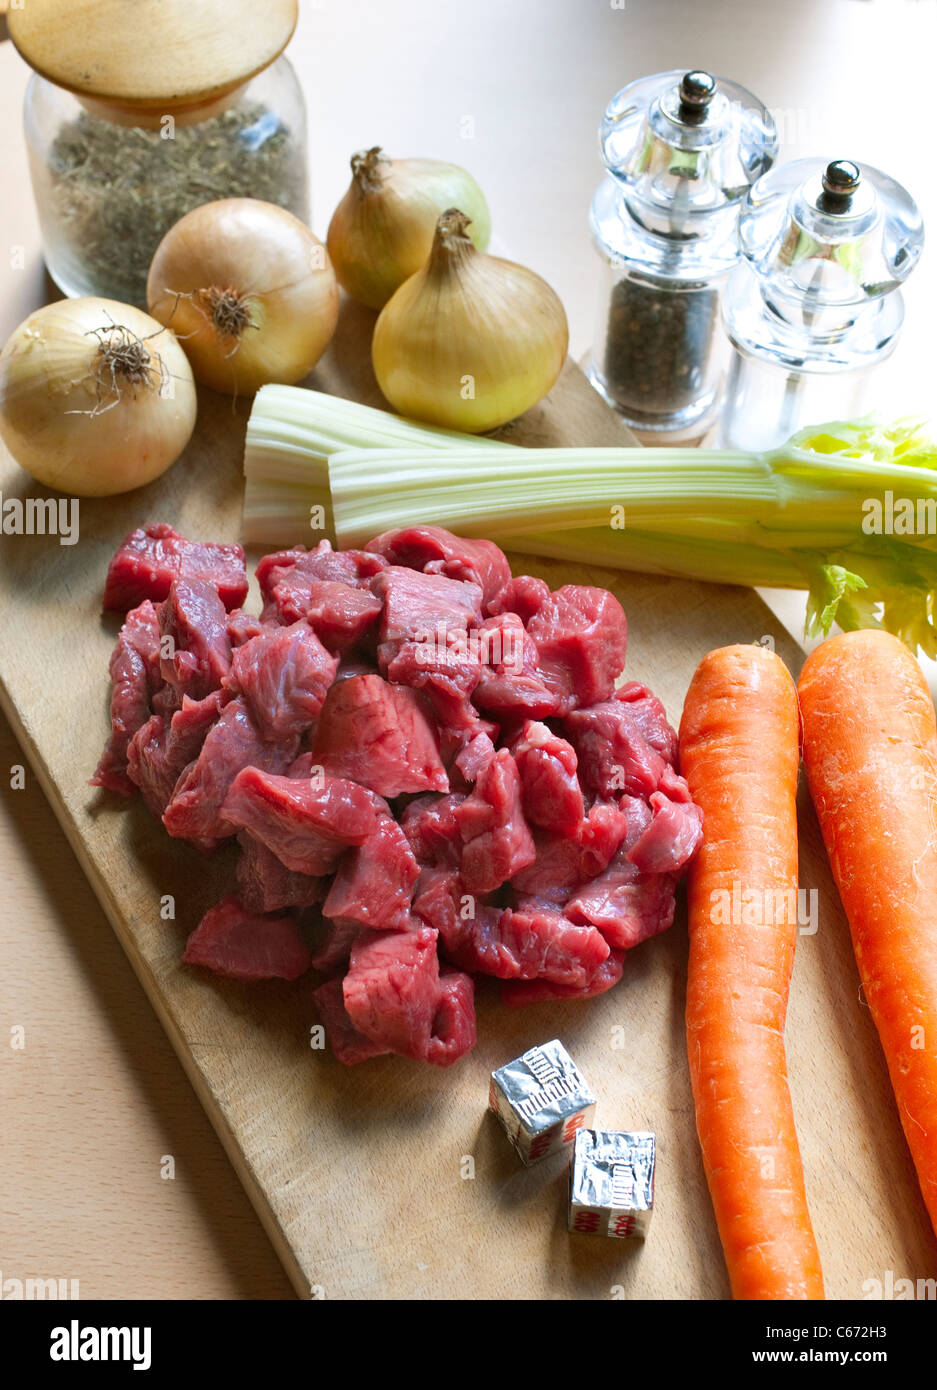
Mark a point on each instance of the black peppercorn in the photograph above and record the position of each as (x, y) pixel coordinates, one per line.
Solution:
(659, 345)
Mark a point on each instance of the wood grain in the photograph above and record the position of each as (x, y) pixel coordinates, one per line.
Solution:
(95, 1101)
(357, 1173)
(155, 54)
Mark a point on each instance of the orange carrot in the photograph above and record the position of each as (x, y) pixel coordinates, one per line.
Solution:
(739, 753)
(870, 750)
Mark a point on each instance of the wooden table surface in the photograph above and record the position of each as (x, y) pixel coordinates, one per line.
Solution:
(95, 1101)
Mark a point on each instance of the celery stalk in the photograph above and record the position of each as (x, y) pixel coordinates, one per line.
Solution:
(682, 557)
(291, 435)
(794, 517)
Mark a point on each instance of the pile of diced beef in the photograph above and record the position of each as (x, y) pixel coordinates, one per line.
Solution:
(426, 764)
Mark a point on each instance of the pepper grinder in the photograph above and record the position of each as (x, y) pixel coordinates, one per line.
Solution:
(682, 149)
(814, 304)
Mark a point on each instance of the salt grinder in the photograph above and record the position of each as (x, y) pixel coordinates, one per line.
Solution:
(814, 304)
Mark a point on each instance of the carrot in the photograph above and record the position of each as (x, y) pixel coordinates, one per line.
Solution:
(739, 753)
(870, 750)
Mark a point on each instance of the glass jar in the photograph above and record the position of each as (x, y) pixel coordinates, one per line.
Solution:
(814, 304)
(109, 183)
(682, 150)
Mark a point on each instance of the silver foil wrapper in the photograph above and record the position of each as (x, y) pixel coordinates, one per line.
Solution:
(611, 1185)
(541, 1100)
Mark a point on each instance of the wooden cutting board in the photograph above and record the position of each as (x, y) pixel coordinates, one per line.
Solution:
(390, 1180)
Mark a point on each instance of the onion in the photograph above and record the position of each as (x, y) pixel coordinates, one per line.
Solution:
(96, 397)
(470, 341)
(382, 231)
(248, 290)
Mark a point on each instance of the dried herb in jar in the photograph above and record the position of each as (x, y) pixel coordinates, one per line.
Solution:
(117, 189)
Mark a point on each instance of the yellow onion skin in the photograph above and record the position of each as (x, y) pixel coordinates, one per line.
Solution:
(62, 418)
(274, 265)
(469, 342)
(382, 230)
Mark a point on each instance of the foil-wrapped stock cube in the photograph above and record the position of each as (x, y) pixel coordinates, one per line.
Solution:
(541, 1100)
(611, 1183)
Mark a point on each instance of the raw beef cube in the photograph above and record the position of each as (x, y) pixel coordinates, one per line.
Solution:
(285, 578)
(509, 696)
(456, 736)
(379, 734)
(498, 842)
(510, 683)
(651, 718)
(149, 767)
(275, 566)
(353, 664)
(524, 596)
(150, 559)
(430, 825)
(564, 861)
(436, 551)
(674, 786)
(581, 635)
(671, 839)
(417, 606)
(468, 928)
(167, 701)
(453, 1032)
(347, 1044)
(446, 669)
(626, 905)
(456, 728)
(232, 743)
(614, 755)
(444, 665)
(503, 641)
(556, 870)
(283, 676)
(475, 757)
(519, 994)
(245, 946)
(289, 581)
(332, 945)
(159, 752)
(307, 824)
(134, 678)
(550, 791)
(608, 826)
(339, 614)
(196, 648)
(528, 945)
(551, 948)
(241, 627)
(190, 724)
(304, 765)
(374, 883)
(267, 885)
(391, 990)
